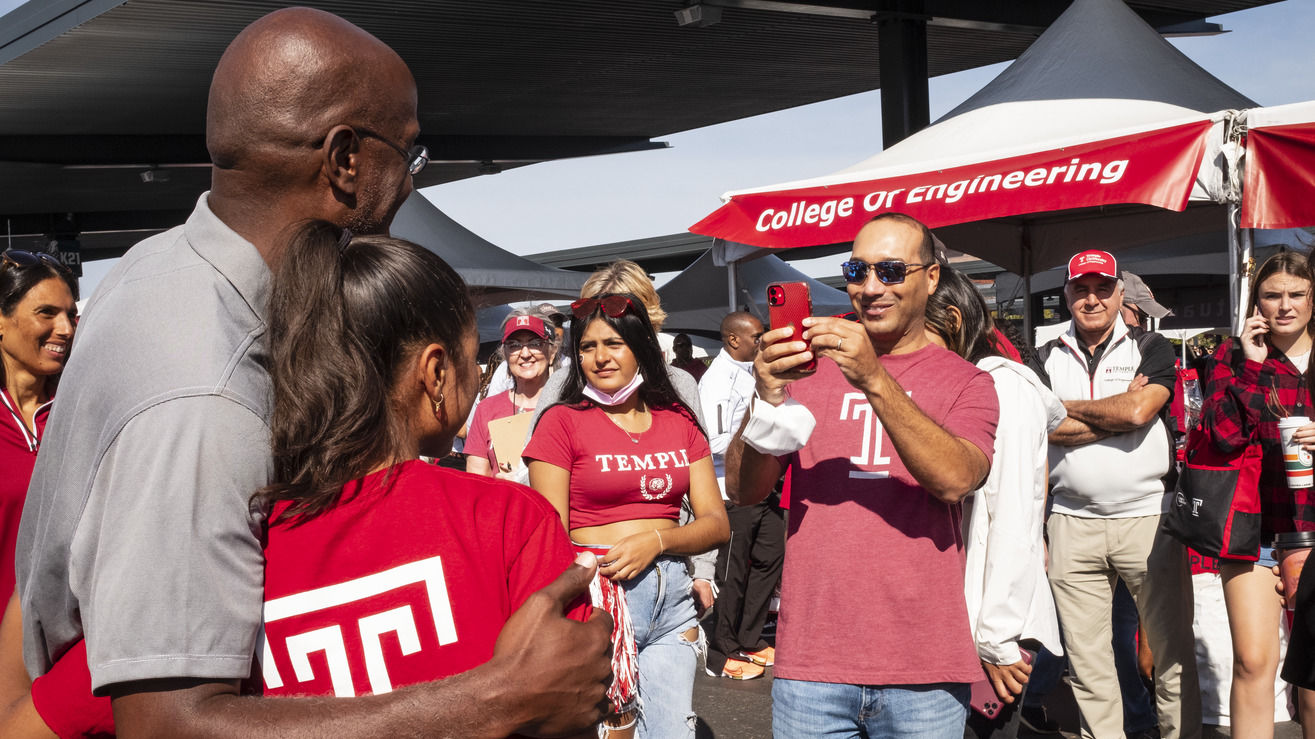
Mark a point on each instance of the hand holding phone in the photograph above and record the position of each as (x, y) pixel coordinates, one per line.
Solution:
(1254, 331)
(788, 304)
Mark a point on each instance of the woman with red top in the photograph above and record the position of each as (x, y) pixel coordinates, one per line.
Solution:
(529, 346)
(380, 570)
(615, 457)
(38, 317)
(1251, 382)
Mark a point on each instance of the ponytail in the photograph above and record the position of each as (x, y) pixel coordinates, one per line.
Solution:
(344, 314)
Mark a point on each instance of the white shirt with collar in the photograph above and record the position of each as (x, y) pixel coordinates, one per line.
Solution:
(724, 392)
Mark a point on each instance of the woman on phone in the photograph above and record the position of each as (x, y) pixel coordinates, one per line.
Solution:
(529, 345)
(615, 458)
(1251, 382)
(373, 344)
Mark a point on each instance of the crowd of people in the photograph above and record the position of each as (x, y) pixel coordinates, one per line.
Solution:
(225, 517)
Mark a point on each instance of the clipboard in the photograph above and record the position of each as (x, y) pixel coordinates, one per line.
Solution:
(507, 436)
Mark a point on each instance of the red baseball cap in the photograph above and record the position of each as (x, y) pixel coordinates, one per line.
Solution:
(533, 324)
(1093, 262)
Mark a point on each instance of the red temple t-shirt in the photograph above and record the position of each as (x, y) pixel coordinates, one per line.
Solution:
(616, 475)
(872, 592)
(410, 578)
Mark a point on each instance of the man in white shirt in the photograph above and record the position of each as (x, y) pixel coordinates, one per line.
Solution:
(749, 566)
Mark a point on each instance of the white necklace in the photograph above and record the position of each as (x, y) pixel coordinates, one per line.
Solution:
(634, 437)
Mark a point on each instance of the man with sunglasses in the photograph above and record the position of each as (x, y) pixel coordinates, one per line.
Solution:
(1110, 466)
(873, 635)
(139, 530)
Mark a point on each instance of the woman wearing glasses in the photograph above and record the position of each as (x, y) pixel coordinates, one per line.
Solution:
(527, 344)
(616, 457)
(38, 317)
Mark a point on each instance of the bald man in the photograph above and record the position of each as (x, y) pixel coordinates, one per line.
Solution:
(139, 532)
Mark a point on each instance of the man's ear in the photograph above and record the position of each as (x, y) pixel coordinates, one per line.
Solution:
(933, 277)
(342, 151)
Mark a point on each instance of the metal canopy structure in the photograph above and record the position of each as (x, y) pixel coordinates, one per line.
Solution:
(102, 101)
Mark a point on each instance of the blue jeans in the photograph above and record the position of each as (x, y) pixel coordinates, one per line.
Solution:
(803, 710)
(1138, 704)
(662, 610)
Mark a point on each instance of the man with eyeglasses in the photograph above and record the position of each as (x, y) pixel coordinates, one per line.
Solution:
(1111, 463)
(885, 438)
(139, 530)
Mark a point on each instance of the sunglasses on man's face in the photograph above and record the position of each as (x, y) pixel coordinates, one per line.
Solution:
(613, 306)
(21, 258)
(856, 271)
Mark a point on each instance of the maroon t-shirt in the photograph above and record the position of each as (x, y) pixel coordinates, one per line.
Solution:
(409, 579)
(872, 592)
(615, 475)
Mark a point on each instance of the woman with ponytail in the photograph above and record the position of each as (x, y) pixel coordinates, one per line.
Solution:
(391, 570)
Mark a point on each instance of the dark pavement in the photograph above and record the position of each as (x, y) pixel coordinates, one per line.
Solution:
(742, 709)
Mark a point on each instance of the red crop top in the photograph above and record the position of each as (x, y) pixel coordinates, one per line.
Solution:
(613, 476)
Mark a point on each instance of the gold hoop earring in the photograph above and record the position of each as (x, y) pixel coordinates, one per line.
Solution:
(438, 405)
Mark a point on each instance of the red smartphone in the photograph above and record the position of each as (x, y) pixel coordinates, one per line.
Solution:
(984, 700)
(788, 304)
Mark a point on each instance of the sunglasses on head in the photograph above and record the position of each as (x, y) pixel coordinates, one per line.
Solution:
(21, 258)
(613, 306)
(856, 271)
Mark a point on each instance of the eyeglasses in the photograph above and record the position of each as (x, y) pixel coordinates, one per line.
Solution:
(614, 306)
(21, 258)
(416, 158)
(538, 346)
(855, 271)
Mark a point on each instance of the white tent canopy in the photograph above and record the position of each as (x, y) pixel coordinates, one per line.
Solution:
(1099, 86)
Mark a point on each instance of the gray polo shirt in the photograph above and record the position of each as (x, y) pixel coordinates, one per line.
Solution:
(138, 531)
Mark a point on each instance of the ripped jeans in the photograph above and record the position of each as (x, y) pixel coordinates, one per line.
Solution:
(662, 611)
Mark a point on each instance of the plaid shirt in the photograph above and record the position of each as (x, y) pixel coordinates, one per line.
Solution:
(1241, 399)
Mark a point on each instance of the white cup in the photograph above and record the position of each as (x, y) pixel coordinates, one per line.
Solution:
(1296, 461)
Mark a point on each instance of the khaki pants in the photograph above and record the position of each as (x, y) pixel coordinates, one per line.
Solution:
(1086, 554)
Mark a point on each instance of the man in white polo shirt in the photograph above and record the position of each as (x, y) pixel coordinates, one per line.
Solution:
(1110, 466)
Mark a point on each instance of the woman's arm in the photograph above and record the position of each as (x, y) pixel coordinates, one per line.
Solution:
(553, 483)
(710, 528)
(18, 717)
(1232, 399)
(477, 465)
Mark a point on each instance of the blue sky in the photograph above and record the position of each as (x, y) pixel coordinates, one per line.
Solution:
(1267, 55)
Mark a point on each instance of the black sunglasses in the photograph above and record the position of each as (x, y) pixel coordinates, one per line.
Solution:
(416, 158)
(614, 306)
(855, 271)
(21, 258)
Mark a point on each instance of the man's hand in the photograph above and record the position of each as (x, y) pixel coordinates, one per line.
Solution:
(703, 597)
(1138, 382)
(561, 668)
(1008, 680)
(848, 344)
(777, 363)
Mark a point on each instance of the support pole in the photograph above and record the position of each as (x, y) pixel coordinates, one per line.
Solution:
(902, 56)
(730, 286)
(1029, 321)
(1239, 268)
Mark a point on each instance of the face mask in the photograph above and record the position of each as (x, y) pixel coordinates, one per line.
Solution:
(617, 398)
